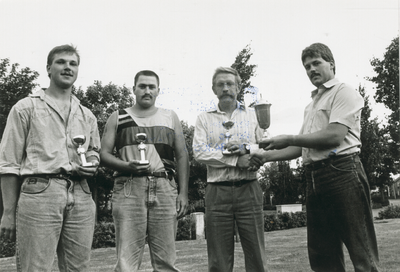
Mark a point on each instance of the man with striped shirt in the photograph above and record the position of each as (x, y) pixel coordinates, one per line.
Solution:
(145, 195)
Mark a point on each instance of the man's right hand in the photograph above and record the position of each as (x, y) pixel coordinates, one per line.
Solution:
(137, 168)
(7, 226)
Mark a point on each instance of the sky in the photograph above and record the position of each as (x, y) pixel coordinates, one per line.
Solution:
(184, 41)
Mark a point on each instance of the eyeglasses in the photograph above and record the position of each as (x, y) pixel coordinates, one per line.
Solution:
(230, 85)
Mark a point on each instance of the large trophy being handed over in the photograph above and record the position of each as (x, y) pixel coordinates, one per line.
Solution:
(263, 114)
(141, 138)
(80, 140)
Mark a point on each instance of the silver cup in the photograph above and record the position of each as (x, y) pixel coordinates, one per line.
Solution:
(263, 114)
(141, 138)
(80, 140)
(227, 125)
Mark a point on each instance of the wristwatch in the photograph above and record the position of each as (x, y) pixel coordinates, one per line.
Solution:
(247, 148)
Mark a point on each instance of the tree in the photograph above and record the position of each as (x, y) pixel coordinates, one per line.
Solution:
(198, 171)
(104, 100)
(15, 84)
(285, 183)
(387, 92)
(246, 71)
(375, 154)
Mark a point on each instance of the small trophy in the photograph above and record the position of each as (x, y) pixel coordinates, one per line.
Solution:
(141, 138)
(228, 125)
(80, 140)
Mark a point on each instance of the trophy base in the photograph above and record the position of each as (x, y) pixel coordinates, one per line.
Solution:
(87, 164)
(226, 152)
(144, 162)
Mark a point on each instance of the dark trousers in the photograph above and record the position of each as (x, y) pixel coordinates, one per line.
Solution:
(224, 206)
(339, 211)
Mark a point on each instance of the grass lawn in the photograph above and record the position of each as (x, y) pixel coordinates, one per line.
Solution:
(286, 252)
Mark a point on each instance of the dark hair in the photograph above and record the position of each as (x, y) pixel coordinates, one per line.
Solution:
(146, 73)
(62, 49)
(227, 70)
(318, 50)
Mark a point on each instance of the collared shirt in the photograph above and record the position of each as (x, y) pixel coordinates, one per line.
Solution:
(209, 140)
(37, 140)
(333, 102)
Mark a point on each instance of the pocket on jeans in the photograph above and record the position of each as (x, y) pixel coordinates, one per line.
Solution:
(343, 166)
(34, 185)
(119, 184)
(85, 186)
(172, 182)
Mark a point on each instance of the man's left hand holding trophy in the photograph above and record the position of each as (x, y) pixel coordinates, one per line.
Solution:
(141, 166)
(89, 165)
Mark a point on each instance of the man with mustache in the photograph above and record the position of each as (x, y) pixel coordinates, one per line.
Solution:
(233, 193)
(56, 212)
(145, 196)
(338, 194)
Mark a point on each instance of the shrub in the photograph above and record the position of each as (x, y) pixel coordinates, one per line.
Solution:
(284, 221)
(186, 229)
(392, 211)
(377, 198)
(104, 235)
(7, 248)
(376, 205)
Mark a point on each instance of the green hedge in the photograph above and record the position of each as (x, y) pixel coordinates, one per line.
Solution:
(391, 211)
(284, 221)
(7, 248)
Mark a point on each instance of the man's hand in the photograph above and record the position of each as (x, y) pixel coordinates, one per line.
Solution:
(7, 226)
(278, 142)
(182, 205)
(137, 168)
(235, 148)
(88, 171)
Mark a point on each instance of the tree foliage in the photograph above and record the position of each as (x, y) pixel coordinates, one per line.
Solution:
(375, 152)
(104, 100)
(285, 183)
(198, 171)
(15, 84)
(246, 71)
(387, 92)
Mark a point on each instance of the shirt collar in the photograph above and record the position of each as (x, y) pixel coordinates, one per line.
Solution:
(42, 95)
(326, 86)
(239, 106)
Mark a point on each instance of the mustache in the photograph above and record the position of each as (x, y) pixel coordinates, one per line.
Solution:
(314, 74)
(147, 95)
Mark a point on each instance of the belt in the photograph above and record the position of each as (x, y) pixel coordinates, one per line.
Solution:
(59, 176)
(328, 161)
(238, 183)
(164, 174)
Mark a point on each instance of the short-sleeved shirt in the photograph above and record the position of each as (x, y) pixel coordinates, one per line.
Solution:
(333, 102)
(209, 140)
(160, 129)
(37, 140)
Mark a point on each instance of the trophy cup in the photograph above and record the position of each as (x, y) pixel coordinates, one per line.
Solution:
(141, 138)
(228, 125)
(263, 114)
(80, 140)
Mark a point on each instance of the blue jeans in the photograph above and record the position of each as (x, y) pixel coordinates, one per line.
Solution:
(145, 205)
(224, 206)
(54, 215)
(339, 211)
